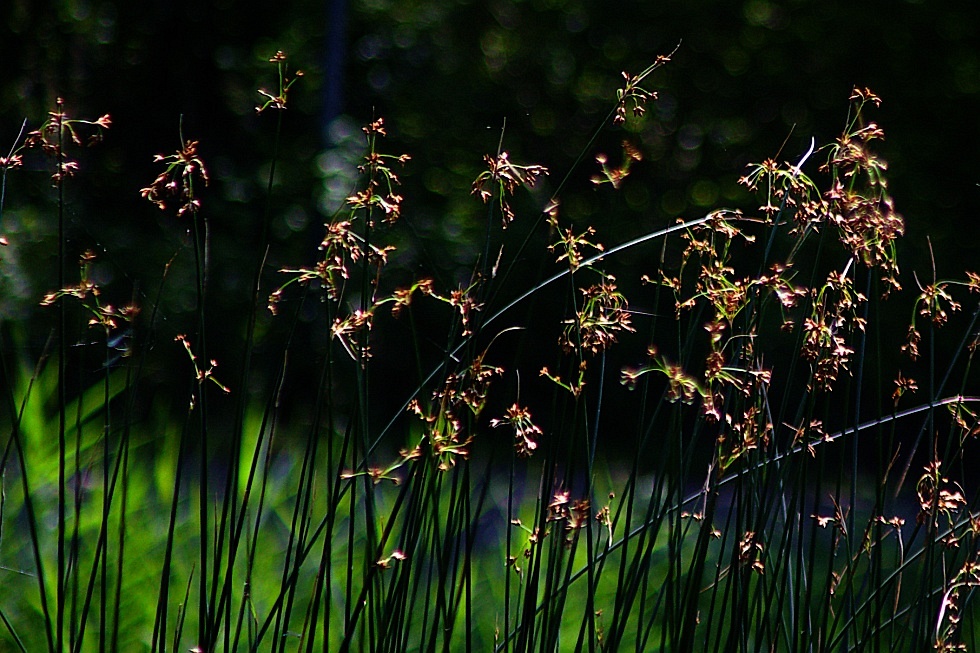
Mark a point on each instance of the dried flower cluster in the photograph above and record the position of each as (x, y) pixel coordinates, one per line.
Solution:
(633, 97)
(575, 514)
(501, 179)
(201, 374)
(751, 553)
(602, 317)
(948, 625)
(833, 316)
(572, 246)
(56, 132)
(731, 384)
(936, 304)
(52, 137)
(526, 433)
(176, 182)
(858, 202)
(281, 98)
(112, 320)
(349, 240)
(938, 496)
(615, 176)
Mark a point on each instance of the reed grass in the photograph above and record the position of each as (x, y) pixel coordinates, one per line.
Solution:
(779, 481)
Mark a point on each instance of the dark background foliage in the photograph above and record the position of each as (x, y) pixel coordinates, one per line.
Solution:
(750, 80)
